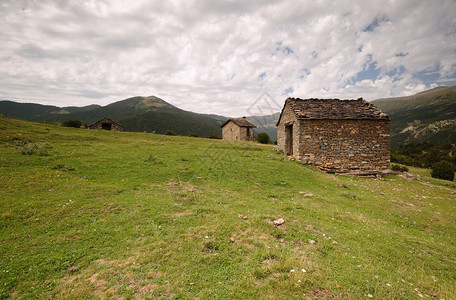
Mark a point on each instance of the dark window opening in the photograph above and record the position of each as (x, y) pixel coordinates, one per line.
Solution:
(106, 126)
(289, 139)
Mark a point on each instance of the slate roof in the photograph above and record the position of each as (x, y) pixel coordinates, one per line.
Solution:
(104, 120)
(242, 123)
(334, 109)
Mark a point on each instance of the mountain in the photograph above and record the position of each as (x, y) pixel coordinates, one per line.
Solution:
(37, 112)
(429, 116)
(150, 114)
(266, 124)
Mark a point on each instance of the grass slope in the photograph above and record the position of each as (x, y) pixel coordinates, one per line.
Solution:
(136, 114)
(98, 214)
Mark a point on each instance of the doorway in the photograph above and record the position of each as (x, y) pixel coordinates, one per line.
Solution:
(106, 126)
(289, 139)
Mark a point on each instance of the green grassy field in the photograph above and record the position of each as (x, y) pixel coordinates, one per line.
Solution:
(99, 214)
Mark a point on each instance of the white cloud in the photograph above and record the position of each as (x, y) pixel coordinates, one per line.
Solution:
(220, 56)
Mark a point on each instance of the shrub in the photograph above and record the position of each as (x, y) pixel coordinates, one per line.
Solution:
(443, 170)
(263, 138)
(72, 123)
(169, 132)
(193, 134)
(213, 136)
(399, 168)
(403, 159)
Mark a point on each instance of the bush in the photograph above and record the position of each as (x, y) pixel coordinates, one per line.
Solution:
(169, 132)
(443, 170)
(399, 168)
(72, 123)
(263, 138)
(193, 134)
(213, 136)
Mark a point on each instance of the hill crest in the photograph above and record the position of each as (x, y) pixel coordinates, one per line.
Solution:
(429, 116)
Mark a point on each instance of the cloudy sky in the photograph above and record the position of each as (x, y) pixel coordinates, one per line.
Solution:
(223, 57)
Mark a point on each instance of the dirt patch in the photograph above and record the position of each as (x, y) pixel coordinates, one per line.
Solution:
(182, 214)
(148, 289)
(269, 262)
(321, 294)
(249, 238)
(97, 280)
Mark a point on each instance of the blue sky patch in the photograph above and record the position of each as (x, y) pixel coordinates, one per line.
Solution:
(374, 24)
(427, 76)
(285, 49)
(371, 72)
(288, 91)
(304, 72)
(394, 73)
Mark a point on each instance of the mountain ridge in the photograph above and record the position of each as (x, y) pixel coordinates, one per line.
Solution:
(428, 116)
(139, 113)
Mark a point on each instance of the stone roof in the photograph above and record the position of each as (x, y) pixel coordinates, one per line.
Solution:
(104, 120)
(242, 123)
(334, 109)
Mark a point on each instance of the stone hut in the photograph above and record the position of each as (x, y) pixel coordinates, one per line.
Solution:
(106, 124)
(238, 130)
(343, 136)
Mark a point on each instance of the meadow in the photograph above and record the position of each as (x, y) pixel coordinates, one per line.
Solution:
(119, 215)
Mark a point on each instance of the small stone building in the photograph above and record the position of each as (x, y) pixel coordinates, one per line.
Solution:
(106, 124)
(238, 130)
(335, 135)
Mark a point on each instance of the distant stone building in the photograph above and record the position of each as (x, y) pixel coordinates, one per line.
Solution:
(106, 124)
(335, 135)
(238, 130)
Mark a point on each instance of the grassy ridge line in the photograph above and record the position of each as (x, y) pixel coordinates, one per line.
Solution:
(429, 116)
(101, 214)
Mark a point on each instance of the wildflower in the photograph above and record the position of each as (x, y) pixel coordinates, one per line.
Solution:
(292, 271)
(370, 296)
(303, 270)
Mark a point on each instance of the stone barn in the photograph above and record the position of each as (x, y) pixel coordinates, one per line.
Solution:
(237, 130)
(106, 124)
(343, 136)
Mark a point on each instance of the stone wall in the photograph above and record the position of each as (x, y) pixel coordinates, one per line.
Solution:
(234, 132)
(106, 124)
(230, 131)
(246, 134)
(288, 118)
(345, 145)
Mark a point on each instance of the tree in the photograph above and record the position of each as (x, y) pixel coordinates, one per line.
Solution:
(72, 123)
(263, 138)
(443, 170)
(213, 136)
